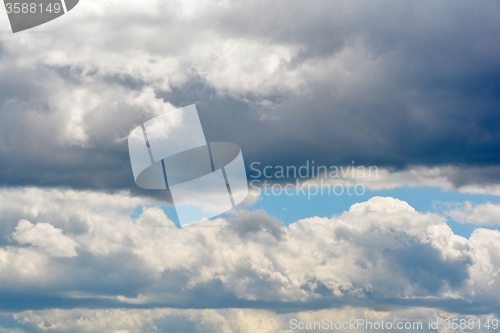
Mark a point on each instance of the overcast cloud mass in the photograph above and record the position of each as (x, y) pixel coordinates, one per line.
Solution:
(412, 87)
(389, 84)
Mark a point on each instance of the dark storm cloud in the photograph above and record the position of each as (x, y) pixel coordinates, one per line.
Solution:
(389, 84)
(433, 98)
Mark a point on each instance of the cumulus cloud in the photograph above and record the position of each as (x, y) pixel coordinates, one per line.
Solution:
(45, 237)
(480, 214)
(24, 268)
(380, 249)
(68, 210)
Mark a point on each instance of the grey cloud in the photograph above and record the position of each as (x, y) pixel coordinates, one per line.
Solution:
(254, 225)
(423, 266)
(392, 84)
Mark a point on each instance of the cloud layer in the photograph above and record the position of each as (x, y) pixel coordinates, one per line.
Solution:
(392, 84)
(225, 320)
(381, 253)
(411, 87)
(482, 214)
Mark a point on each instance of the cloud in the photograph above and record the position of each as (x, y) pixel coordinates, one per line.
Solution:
(393, 87)
(480, 214)
(411, 88)
(171, 320)
(225, 320)
(68, 210)
(462, 179)
(381, 249)
(23, 268)
(45, 237)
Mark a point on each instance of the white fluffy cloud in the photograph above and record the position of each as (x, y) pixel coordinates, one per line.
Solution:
(45, 237)
(481, 214)
(381, 247)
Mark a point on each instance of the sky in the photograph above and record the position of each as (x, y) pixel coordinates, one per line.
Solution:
(410, 88)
